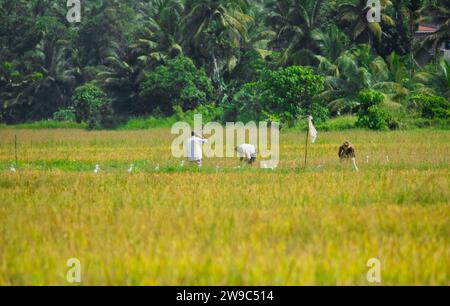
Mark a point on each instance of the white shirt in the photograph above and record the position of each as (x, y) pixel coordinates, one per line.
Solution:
(194, 148)
(246, 150)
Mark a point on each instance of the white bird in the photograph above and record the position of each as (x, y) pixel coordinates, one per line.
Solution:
(157, 167)
(182, 163)
(217, 169)
(367, 159)
(264, 165)
(387, 158)
(130, 170)
(97, 168)
(12, 169)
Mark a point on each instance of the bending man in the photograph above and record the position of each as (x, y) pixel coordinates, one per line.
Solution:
(247, 152)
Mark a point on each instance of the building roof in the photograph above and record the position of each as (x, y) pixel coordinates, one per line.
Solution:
(426, 28)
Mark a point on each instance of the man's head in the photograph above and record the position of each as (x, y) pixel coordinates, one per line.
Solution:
(192, 133)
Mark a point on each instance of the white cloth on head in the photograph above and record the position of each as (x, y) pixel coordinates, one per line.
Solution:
(194, 148)
(246, 150)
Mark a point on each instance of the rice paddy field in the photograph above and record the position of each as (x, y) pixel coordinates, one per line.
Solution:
(221, 225)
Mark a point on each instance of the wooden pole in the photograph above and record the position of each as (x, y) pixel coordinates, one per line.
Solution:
(306, 145)
(15, 148)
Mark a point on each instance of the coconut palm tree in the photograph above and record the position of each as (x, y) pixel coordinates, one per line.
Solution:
(436, 77)
(359, 68)
(331, 42)
(257, 36)
(159, 37)
(296, 23)
(439, 14)
(212, 29)
(353, 16)
(42, 79)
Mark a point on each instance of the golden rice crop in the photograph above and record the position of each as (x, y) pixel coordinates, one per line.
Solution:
(234, 227)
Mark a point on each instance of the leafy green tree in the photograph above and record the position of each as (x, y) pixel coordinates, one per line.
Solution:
(178, 83)
(93, 106)
(371, 115)
(284, 94)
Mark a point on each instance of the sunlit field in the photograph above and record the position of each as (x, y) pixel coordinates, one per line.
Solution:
(172, 225)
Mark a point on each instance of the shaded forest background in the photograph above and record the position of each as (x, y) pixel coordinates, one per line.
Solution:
(231, 60)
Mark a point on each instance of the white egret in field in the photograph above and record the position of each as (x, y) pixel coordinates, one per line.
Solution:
(182, 163)
(97, 169)
(130, 170)
(367, 159)
(387, 158)
(264, 165)
(217, 169)
(13, 169)
(157, 167)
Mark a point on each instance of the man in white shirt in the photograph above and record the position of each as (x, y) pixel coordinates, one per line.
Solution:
(247, 152)
(194, 149)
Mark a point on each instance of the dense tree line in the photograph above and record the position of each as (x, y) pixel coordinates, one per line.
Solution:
(249, 60)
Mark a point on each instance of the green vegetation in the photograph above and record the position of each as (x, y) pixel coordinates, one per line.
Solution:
(93, 106)
(177, 84)
(241, 59)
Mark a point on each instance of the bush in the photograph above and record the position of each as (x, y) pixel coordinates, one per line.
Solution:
(178, 82)
(338, 124)
(66, 114)
(370, 114)
(374, 118)
(93, 106)
(246, 105)
(435, 107)
(368, 98)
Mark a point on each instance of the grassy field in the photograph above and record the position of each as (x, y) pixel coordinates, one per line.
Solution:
(184, 226)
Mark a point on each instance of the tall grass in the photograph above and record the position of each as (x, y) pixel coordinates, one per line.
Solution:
(183, 226)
